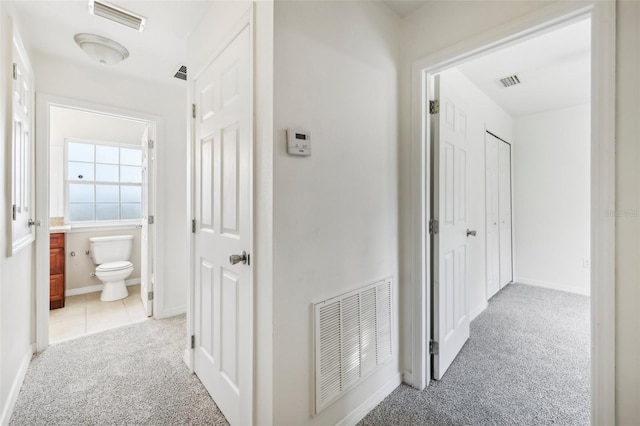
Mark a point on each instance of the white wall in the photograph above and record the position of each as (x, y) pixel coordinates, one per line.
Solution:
(551, 164)
(483, 114)
(17, 278)
(70, 123)
(100, 86)
(335, 213)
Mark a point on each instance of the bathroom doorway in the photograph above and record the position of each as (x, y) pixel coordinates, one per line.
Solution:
(96, 198)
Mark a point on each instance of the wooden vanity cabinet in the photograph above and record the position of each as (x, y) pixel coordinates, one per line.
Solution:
(56, 271)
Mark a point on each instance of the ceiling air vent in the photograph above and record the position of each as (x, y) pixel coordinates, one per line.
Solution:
(117, 14)
(181, 73)
(512, 80)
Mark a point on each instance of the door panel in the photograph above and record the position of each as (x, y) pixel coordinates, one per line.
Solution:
(450, 318)
(223, 293)
(22, 171)
(492, 215)
(506, 263)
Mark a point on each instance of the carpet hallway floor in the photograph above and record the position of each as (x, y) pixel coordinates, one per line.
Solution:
(527, 363)
(132, 375)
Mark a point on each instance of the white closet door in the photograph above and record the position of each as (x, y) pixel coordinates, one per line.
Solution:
(506, 265)
(492, 216)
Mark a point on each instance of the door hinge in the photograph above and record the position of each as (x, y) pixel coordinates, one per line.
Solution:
(193, 341)
(193, 110)
(15, 71)
(13, 212)
(434, 226)
(151, 144)
(150, 295)
(151, 220)
(193, 226)
(434, 107)
(434, 348)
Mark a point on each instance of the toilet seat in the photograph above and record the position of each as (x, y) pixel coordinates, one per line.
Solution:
(114, 266)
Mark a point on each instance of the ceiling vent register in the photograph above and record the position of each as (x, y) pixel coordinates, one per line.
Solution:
(181, 73)
(510, 81)
(117, 14)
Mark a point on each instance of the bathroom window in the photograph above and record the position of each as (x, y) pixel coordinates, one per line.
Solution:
(103, 182)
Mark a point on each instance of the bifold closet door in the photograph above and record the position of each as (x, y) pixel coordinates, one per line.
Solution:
(492, 214)
(504, 178)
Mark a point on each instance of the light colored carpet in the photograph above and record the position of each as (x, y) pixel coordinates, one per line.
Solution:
(526, 363)
(133, 375)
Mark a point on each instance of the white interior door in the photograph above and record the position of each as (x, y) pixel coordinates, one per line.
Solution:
(450, 318)
(22, 171)
(492, 214)
(223, 294)
(147, 273)
(506, 264)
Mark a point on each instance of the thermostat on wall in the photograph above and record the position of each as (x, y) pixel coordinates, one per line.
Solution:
(298, 142)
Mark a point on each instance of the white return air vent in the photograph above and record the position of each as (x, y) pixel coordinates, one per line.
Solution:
(352, 339)
(117, 14)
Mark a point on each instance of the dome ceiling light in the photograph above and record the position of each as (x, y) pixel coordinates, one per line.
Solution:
(101, 49)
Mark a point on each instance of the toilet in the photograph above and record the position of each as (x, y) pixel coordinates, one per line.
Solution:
(112, 254)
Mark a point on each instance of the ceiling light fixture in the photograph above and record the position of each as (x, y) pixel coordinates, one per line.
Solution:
(101, 49)
(117, 14)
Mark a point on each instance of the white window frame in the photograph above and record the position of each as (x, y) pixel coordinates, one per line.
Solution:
(97, 223)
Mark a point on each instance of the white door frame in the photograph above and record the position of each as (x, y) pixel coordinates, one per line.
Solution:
(603, 15)
(43, 104)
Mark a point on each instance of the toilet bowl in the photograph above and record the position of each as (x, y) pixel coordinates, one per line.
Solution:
(112, 275)
(112, 254)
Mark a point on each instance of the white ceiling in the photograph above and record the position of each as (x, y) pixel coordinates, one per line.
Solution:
(155, 53)
(404, 7)
(554, 68)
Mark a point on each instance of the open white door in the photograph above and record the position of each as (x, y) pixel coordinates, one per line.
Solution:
(147, 273)
(450, 318)
(22, 212)
(223, 311)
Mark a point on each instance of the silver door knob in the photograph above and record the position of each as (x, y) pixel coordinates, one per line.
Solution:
(237, 258)
(33, 223)
(472, 233)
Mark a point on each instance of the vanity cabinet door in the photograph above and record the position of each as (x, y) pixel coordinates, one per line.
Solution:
(56, 271)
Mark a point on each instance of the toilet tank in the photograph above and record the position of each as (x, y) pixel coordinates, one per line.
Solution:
(110, 249)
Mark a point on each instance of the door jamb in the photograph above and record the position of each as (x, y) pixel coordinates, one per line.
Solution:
(43, 103)
(603, 35)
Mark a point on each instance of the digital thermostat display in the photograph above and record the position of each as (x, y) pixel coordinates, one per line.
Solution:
(298, 142)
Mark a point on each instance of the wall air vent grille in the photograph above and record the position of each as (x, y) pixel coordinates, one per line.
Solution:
(117, 14)
(181, 73)
(352, 339)
(512, 80)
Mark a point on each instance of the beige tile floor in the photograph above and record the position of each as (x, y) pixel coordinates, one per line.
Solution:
(86, 314)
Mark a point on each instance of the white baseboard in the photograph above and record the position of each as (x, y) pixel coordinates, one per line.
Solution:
(10, 404)
(186, 357)
(167, 313)
(477, 310)
(97, 287)
(554, 286)
(363, 409)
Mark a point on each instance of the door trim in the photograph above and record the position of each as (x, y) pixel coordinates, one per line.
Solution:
(603, 15)
(247, 20)
(43, 103)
